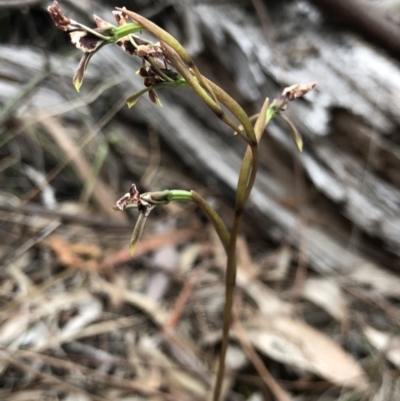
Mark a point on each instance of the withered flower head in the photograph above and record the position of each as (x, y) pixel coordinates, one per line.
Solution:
(298, 90)
(120, 17)
(85, 41)
(84, 38)
(289, 94)
(126, 44)
(59, 19)
(101, 23)
(281, 103)
(149, 51)
(131, 197)
(155, 71)
(144, 207)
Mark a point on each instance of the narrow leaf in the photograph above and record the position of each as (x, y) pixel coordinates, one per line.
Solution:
(77, 80)
(296, 134)
(137, 232)
(154, 98)
(131, 101)
(262, 120)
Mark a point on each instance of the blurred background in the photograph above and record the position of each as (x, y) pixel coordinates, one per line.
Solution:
(317, 309)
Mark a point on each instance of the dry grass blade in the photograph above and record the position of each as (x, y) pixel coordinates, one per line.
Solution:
(141, 301)
(105, 378)
(102, 193)
(48, 378)
(89, 331)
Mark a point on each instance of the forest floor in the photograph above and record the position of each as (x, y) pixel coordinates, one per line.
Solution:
(81, 319)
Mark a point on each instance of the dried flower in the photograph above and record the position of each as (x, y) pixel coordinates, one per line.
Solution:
(289, 94)
(131, 197)
(155, 69)
(144, 207)
(59, 19)
(121, 17)
(298, 90)
(281, 103)
(84, 38)
(87, 39)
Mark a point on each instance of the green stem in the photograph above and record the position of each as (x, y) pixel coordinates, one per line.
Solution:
(215, 219)
(156, 68)
(180, 66)
(234, 107)
(159, 33)
(245, 184)
(263, 118)
(93, 32)
(179, 195)
(125, 30)
(230, 281)
(203, 81)
(192, 196)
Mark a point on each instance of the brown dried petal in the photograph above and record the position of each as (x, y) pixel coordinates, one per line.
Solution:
(298, 90)
(123, 201)
(85, 41)
(131, 197)
(59, 18)
(101, 23)
(143, 72)
(149, 51)
(134, 193)
(80, 71)
(143, 50)
(126, 46)
(120, 17)
(149, 81)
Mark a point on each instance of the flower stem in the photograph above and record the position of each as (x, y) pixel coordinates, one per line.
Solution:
(179, 195)
(125, 30)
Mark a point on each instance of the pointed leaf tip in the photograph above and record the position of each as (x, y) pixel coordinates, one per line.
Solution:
(154, 98)
(300, 145)
(131, 101)
(138, 229)
(296, 134)
(132, 247)
(77, 80)
(77, 84)
(297, 138)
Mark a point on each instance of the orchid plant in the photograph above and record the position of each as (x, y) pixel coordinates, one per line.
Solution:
(166, 64)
